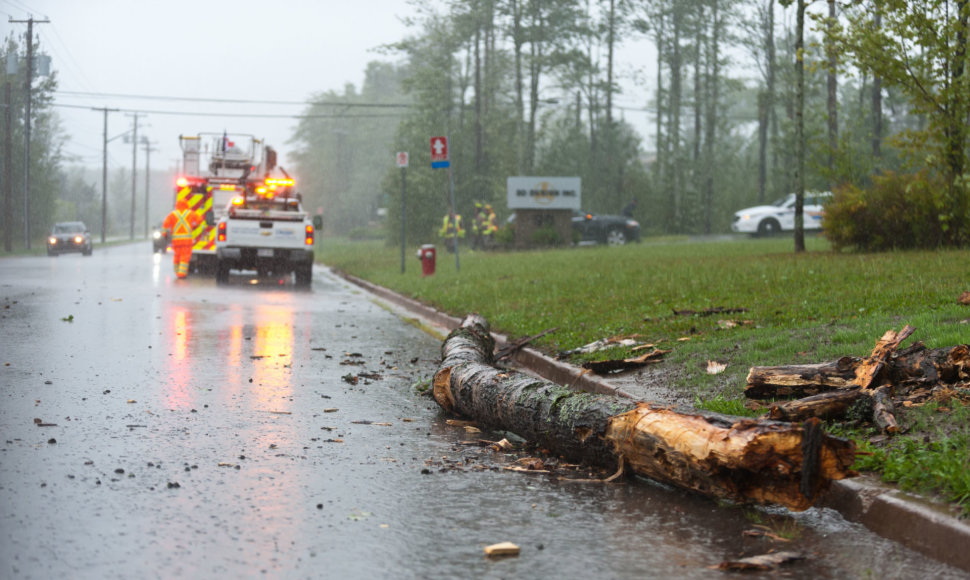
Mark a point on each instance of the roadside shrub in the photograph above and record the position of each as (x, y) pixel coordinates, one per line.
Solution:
(546, 236)
(896, 212)
(505, 236)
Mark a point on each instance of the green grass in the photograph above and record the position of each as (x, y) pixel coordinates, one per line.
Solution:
(810, 307)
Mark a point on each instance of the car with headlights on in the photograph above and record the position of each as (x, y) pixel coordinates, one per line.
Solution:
(160, 240)
(69, 237)
(766, 220)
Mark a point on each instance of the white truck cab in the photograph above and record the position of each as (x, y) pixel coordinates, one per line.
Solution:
(266, 231)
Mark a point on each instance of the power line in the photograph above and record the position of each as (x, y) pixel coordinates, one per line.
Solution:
(65, 54)
(238, 101)
(243, 115)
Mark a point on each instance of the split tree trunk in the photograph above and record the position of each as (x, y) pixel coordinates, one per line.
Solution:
(719, 456)
(829, 389)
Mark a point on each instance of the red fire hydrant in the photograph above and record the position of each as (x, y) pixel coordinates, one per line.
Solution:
(426, 254)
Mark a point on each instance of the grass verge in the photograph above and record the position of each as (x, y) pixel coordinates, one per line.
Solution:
(811, 307)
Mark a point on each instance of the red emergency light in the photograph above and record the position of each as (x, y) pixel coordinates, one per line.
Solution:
(309, 236)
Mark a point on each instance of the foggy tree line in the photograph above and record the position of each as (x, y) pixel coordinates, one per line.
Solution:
(529, 87)
(59, 189)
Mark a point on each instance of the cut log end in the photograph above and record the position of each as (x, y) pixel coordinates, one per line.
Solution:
(441, 389)
(747, 461)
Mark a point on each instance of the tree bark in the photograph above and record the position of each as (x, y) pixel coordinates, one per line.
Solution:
(824, 406)
(734, 458)
(800, 380)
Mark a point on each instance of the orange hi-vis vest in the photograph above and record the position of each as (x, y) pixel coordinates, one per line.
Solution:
(182, 230)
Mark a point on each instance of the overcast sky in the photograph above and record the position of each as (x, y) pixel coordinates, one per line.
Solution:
(281, 50)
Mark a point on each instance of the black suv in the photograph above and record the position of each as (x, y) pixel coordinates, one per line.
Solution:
(69, 237)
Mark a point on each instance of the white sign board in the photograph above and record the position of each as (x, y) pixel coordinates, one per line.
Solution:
(544, 192)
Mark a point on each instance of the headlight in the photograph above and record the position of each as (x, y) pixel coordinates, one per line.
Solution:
(156, 234)
(632, 224)
(52, 240)
(78, 239)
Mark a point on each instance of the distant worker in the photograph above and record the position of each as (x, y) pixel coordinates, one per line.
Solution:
(490, 227)
(479, 224)
(449, 226)
(629, 209)
(180, 226)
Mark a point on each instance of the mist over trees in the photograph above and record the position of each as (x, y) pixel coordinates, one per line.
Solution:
(871, 98)
(59, 189)
(46, 157)
(528, 87)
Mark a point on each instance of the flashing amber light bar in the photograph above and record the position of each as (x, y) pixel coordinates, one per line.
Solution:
(181, 182)
(238, 201)
(261, 190)
(279, 182)
(227, 187)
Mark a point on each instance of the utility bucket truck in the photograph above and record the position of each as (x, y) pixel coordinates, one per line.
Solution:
(215, 168)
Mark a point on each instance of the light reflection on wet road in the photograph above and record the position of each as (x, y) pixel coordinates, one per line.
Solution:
(207, 431)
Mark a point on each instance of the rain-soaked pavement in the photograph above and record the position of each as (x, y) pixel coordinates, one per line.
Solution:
(154, 428)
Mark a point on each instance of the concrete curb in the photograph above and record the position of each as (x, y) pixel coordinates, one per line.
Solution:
(913, 522)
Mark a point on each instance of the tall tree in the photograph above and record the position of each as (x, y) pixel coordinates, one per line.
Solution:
(799, 122)
(47, 140)
(832, 102)
(920, 48)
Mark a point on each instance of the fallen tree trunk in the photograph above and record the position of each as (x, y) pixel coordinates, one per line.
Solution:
(726, 457)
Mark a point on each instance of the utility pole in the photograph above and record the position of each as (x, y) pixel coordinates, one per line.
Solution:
(134, 168)
(148, 173)
(104, 173)
(27, 86)
(7, 170)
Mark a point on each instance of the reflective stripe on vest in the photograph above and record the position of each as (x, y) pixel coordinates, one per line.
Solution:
(182, 229)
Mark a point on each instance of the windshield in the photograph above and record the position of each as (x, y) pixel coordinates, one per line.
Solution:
(781, 201)
(69, 228)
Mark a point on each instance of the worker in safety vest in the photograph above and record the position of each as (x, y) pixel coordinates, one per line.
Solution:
(449, 225)
(478, 226)
(489, 228)
(181, 225)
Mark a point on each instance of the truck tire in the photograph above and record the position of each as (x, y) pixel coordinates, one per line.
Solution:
(303, 275)
(222, 273)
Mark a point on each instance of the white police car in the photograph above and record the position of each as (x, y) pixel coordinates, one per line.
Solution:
(765, 220)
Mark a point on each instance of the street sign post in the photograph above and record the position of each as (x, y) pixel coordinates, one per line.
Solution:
(402, 162)
(439, 160)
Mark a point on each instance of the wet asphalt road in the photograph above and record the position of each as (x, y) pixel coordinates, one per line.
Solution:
(154, 428)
